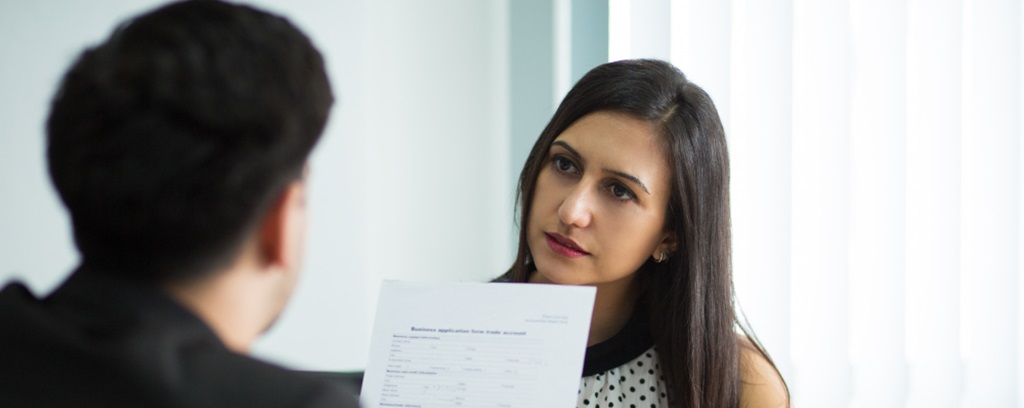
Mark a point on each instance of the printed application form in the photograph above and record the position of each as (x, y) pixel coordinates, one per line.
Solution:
(504, 345)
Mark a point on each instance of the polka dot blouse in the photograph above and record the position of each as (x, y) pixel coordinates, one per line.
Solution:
(623, 371)
(635, 384)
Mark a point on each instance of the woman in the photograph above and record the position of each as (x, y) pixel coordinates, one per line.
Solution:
(627, 189)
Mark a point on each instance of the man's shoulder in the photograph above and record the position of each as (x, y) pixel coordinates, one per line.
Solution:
(158, 359)
(15, 293)
(238, 380)
(19, 310)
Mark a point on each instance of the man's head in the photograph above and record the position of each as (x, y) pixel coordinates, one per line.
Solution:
(171, 141)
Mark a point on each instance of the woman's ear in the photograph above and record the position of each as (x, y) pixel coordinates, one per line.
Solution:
(669, 245)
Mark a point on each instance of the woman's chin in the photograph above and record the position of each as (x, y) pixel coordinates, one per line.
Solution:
(555, 277)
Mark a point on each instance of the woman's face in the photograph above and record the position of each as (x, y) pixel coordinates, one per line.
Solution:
(599, 203)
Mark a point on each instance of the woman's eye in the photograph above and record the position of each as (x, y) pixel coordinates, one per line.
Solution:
(564, 165)
(621, 192)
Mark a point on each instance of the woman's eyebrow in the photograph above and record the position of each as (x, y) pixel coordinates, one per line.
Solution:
(569, 148)
(629, 177)
(624, 175)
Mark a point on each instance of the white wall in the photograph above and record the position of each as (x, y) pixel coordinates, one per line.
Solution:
(411, 180)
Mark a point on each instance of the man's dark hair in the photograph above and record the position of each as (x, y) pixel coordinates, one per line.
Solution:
(170, 140)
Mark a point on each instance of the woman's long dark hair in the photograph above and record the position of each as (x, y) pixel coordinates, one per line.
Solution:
(689, 297)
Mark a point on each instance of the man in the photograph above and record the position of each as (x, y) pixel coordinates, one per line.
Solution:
(179, 148)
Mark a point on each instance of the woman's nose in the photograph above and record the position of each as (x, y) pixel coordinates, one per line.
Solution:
(576, 207)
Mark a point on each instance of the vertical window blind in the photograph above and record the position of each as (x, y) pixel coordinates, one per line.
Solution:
(876, 186)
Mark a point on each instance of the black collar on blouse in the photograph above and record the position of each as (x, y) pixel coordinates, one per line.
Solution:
(632, 340)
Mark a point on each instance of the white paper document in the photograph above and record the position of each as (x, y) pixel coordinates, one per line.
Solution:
(508, 345)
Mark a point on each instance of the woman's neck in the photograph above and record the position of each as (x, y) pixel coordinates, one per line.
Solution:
(613, 307)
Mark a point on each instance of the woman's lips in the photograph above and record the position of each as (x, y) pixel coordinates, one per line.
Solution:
(564, 246)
